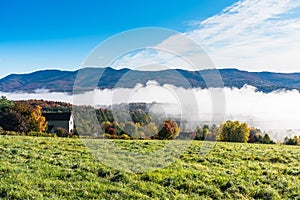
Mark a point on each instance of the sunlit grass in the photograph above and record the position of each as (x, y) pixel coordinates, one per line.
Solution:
(63, 168)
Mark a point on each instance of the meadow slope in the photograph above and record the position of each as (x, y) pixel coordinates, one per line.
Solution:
(62, 168)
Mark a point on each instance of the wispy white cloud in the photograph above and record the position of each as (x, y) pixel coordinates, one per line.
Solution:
(254, 35)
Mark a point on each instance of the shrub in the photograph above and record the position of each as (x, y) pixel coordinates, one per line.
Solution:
(109, 136)
(125, 137)
(62, 132)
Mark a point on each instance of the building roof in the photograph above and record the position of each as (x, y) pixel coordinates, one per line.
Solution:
(57, 116)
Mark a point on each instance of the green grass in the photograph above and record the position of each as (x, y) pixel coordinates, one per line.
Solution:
(63, 168)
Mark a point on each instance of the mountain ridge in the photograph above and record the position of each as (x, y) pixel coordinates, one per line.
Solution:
(63, 81)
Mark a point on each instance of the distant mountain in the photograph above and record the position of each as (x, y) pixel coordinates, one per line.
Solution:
(63, 81)
(54, 80)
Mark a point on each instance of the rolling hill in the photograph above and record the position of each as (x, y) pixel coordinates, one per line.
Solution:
(63, 81)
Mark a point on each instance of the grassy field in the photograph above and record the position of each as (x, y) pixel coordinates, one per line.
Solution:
(62, 168)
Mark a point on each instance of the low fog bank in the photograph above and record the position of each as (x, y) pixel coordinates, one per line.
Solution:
(277, 112)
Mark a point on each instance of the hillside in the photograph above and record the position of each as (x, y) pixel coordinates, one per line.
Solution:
(63, 81)
(56, 168)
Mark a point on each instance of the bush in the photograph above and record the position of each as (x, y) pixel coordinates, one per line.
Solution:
(108, 136)
(62, 132)
(125, 137)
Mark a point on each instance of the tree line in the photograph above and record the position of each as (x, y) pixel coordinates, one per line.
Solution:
(26, 116)
(232, 131)
(292, 140)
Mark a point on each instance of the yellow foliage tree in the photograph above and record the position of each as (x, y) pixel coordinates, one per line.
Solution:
(234, 131)
(38, 120)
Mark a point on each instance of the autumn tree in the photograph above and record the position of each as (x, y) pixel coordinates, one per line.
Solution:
(105, 126)
(168, 130)
(32, 116)
(234, 131)
(21, 117)
(38, 122)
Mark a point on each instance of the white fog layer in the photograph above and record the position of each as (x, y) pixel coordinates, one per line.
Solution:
(276, 112)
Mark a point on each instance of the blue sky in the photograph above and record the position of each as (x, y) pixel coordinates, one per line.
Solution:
(254, 35)
(39, 34)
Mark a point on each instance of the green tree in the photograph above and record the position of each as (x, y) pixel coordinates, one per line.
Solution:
(7, 116)
(214, 134)
(5, 105)
(254, 135)
(19, 117)
(139, 116)
(149, 130)
(130, 129)
(85, 121)
(201, 133)
(14, 121)
(267, 140)
(292, 141)
(234, 132)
